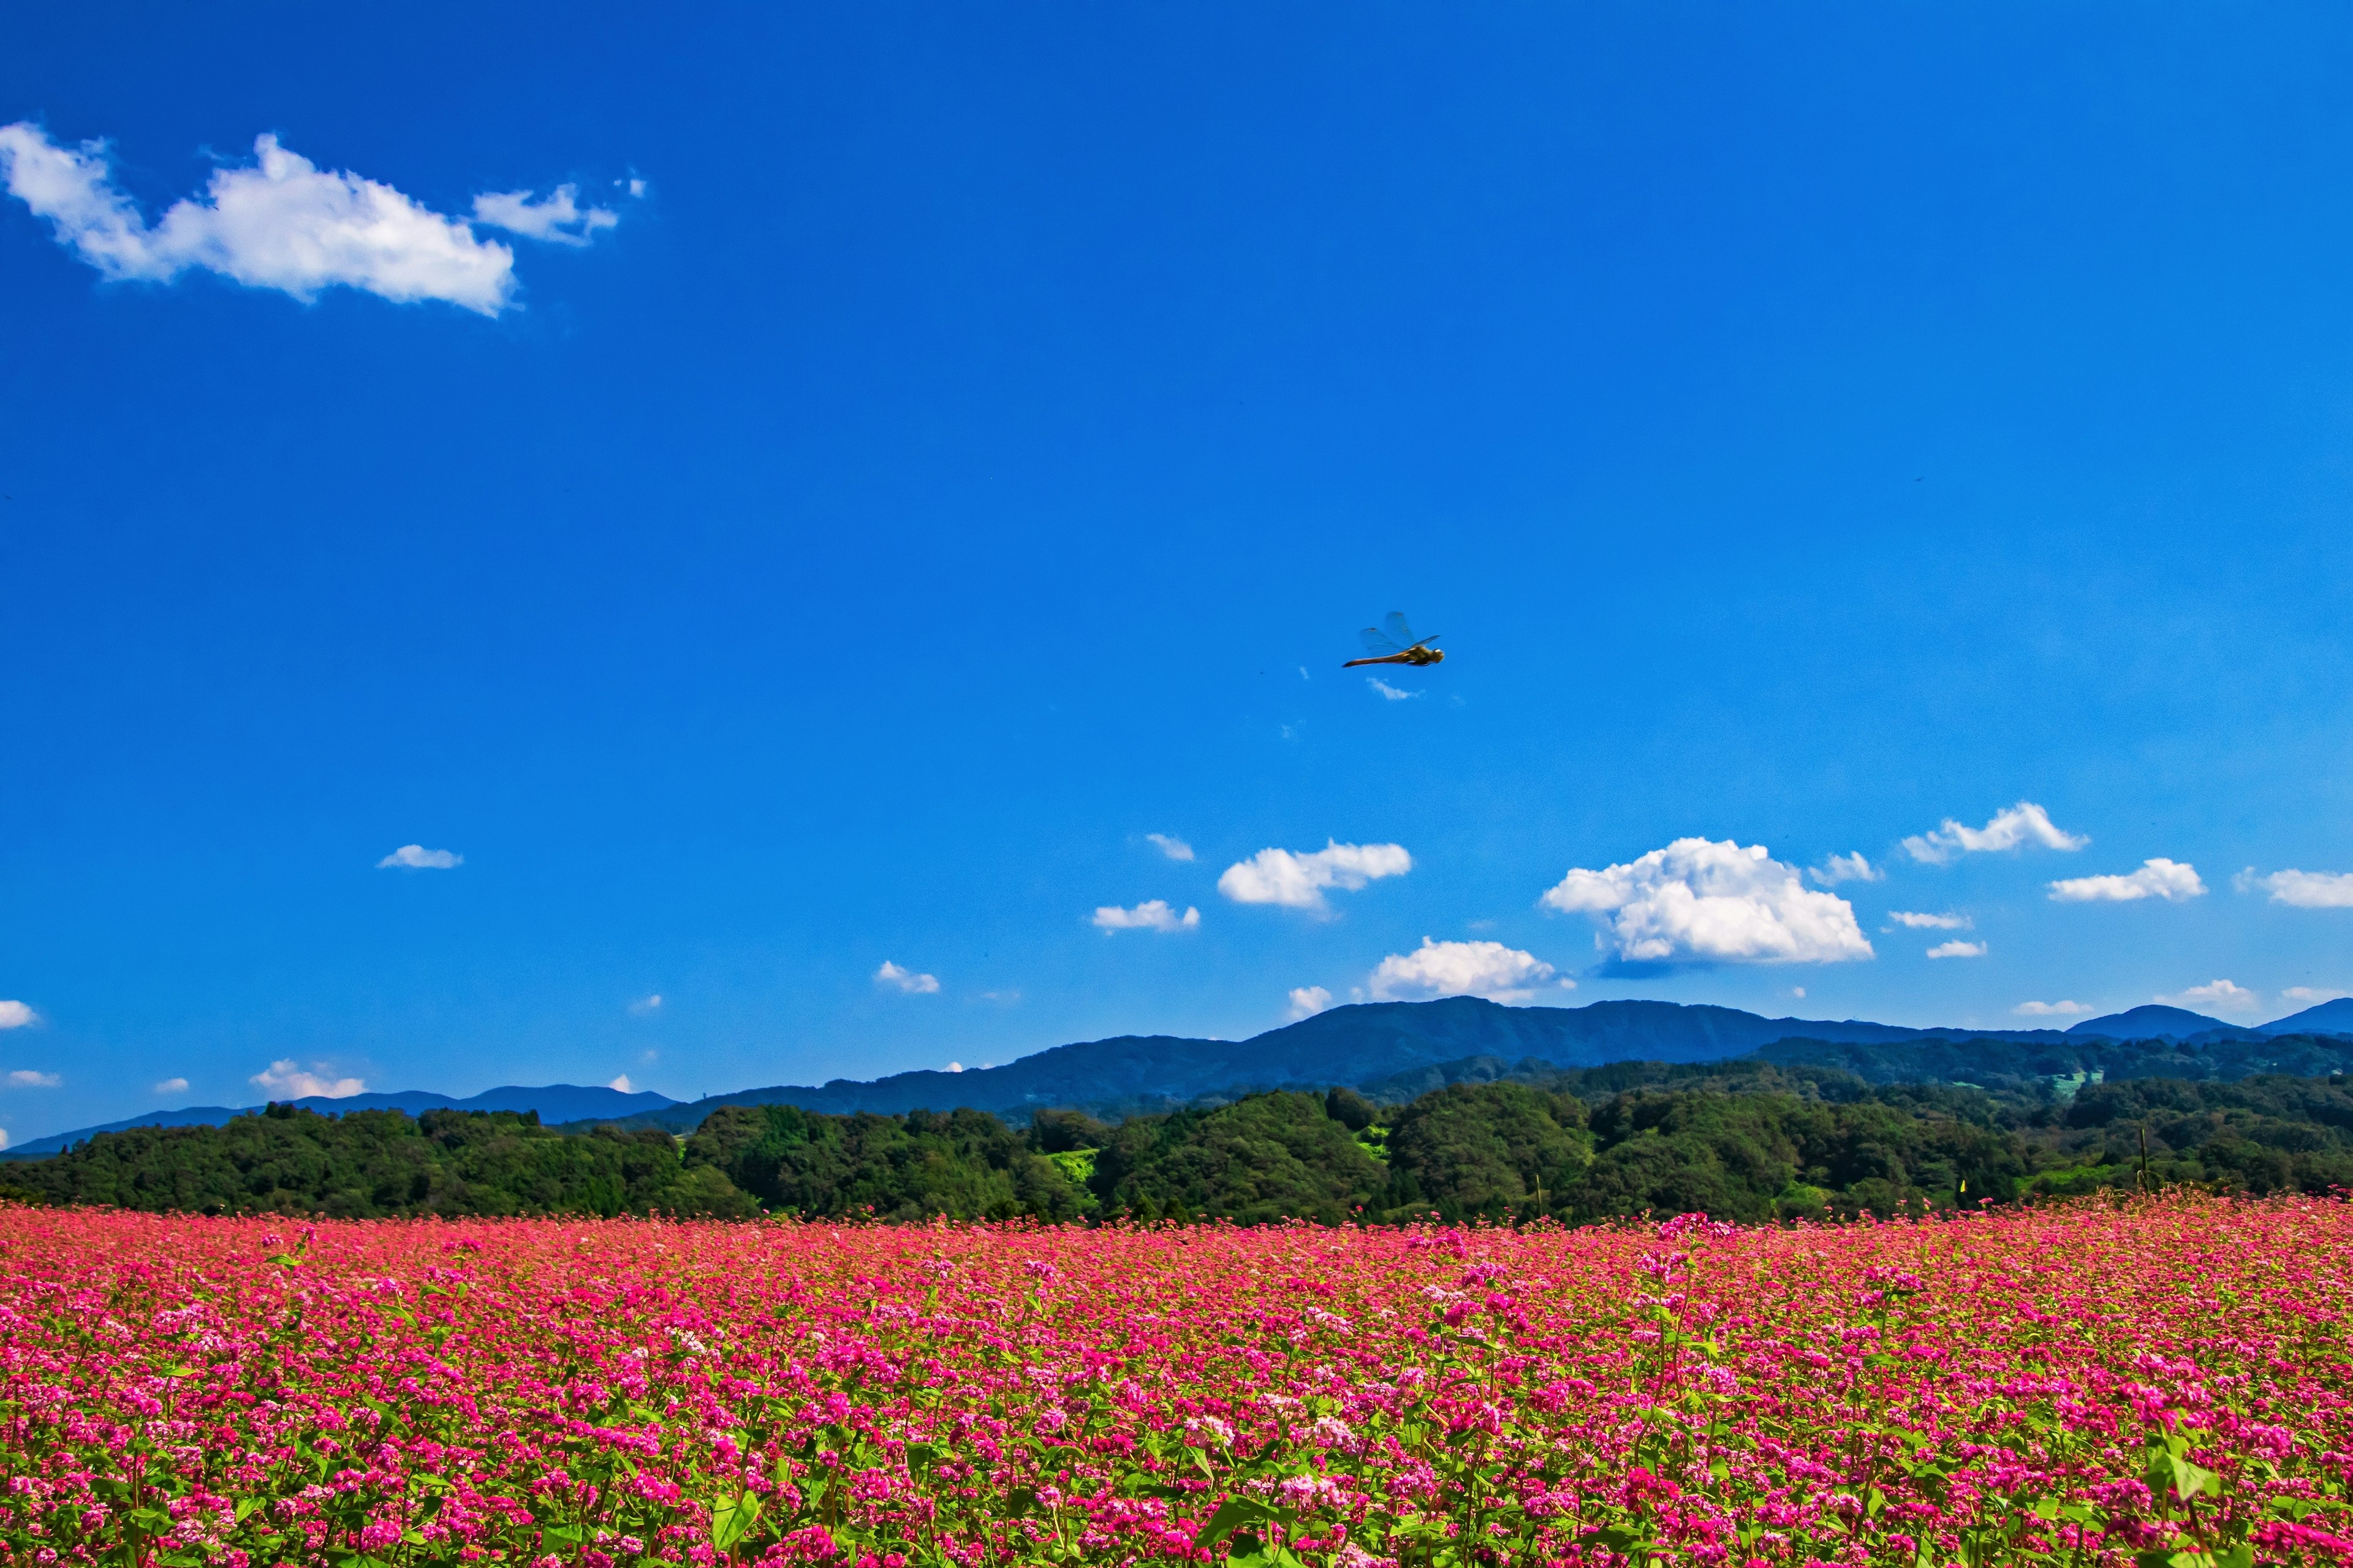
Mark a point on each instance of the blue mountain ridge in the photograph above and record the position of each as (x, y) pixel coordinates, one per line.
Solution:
(555, 1102)
(1364, 1044)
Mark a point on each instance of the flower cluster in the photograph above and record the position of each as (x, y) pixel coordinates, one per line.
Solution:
(2162, 1381)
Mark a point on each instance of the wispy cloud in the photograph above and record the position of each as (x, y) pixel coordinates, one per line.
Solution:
(2022, 825)
(2051, 1009)
(646, 1006)
(416, 858)
(171, 1086)
(2215, 996)
(557, 218)
(26, 1077)
(283, 1080)
(17, 1015)
(1958, 949)
(1845, 868)
(1298, 879)
(1153, 914)
(2158, 878)
(283, 222)
(2312, 996)
(1170, 845)
(1487, 969)
(1700, 901)
(1392, 693)
(1306, 1001)
(2304, 889)
(622, 1084)
(1914, 920)
(891, 977)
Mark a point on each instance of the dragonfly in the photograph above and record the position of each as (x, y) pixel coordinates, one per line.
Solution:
(1393, 642)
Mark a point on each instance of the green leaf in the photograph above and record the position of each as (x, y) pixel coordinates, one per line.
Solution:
(733, 1516)
(1231, 1515)
(2193, 1480)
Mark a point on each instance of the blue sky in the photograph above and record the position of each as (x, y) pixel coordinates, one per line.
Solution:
(972, 444)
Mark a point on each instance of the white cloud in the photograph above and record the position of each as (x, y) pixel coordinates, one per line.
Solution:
(1698, 900)
(1009, 997)
(2051, 1009)
(556, 217)
(1845, 868)
(1170, 845)
(2157, 878)
(623, 1084)
(2023, 823)
(15, 1015)
(1798, 992)
(2214, 996)
(646, 1006)
(1958, 949)
(2305, 890)
(1392, 693)
(172, 1086)
(955, 1067)
(1486, 969)
(4, 1137)
(26, 1077)
(282, 1079)
(2312, 996)
(1297, 881)
(1153, 914)
(416, 858)
(282, 223)
(1914, 921)
(906, 980)
(1306, 1001)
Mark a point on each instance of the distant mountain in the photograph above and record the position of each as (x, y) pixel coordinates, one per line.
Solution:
(555, 1102)
(2329, 1018)
(1374, 1042)
(2152, 1023)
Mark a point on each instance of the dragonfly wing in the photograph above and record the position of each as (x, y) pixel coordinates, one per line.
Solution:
(1378, 644)
(1399, 633)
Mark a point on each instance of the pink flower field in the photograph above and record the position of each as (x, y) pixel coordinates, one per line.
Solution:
(2164, 1383)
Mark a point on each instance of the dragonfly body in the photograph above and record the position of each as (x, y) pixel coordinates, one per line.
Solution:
(1393, 642)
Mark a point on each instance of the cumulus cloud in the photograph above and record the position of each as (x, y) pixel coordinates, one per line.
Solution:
(1914, 921)
(2305, 890)
(646, 1006)
(1153, 914)
(416, 858)
(2051, 1009)
(1170, 845)
(282, 1079)
(623, 1084)
(172, 1086)
(281, 222)
(1486, 969)
(15, 1015)
(557, 218)
(2214, 996)
(1306, 1001)
(26, 1077)
(1700, 901)
(2158, 878)
(1393, 693)
(1298, 881)
(2023, 823)
(2312, 996)
(1958, 949)
(1845, 868)
(906, 980)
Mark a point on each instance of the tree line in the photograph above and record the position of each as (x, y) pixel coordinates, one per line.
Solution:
(1748, 1141)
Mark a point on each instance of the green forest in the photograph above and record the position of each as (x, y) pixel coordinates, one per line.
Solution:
(1748, 1141)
